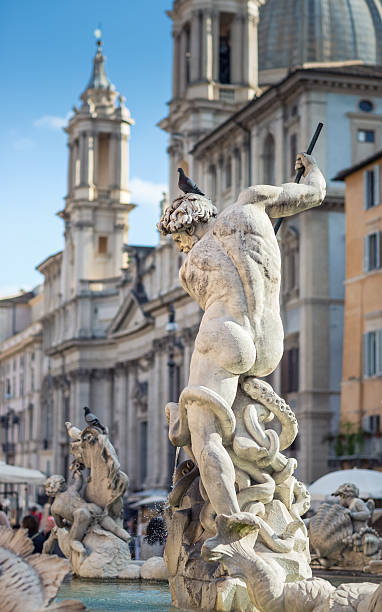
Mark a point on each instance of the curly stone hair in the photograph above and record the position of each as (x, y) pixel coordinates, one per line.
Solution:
(54, 484)
(185, 212)
(348, 489)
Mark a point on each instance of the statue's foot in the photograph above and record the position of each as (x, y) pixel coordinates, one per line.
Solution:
(231, 530)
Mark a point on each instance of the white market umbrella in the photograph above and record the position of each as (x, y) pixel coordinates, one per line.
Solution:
(369, 483)
(12, 474)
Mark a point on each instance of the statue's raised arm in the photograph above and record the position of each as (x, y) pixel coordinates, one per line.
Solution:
(290, 198)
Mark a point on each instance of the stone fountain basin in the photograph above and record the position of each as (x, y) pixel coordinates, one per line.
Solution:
(117, 595)
(136, 596)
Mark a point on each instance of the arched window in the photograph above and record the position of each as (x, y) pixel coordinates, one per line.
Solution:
(269, 160)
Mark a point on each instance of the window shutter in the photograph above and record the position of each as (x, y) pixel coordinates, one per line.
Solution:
(366, 254)
(379, 352)
(377, 249)
(365, 346)
(365, 190)
(377, 185)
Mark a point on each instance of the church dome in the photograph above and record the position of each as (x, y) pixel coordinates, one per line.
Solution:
(297, 32)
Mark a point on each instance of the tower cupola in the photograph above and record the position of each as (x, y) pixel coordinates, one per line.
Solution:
(98, 198)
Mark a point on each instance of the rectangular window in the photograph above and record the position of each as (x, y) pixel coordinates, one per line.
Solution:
(289, 371)
(8, 392)
(374, 423)
(366, 136)
(372, 353)
(102, 245)
(372, 252)
(372, 187)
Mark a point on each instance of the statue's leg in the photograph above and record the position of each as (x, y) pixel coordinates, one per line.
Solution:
(215, 466)
(81, 522)
(110, 525)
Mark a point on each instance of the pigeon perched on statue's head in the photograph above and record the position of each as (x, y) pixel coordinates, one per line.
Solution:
(186, 185)
(93, 421)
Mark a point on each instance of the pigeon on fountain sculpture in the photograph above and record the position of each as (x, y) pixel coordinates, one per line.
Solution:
(186, 185)
(93, 421)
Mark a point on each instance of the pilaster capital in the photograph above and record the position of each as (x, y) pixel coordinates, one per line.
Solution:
(146, 361)
(61, 381)
(160, 345)
(102, 374)
(121, 367)
(253, 19)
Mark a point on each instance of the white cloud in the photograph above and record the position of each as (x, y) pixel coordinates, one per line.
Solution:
(146, 193)
(52, 122)
(23, 144)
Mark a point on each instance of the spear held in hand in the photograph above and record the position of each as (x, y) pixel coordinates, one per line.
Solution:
(301, 171)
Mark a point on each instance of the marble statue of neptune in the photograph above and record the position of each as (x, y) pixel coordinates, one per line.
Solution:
(232, 271)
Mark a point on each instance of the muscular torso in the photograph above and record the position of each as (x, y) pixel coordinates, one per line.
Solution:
(233, 273)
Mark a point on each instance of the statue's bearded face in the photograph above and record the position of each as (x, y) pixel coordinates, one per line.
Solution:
(54, 485)
(184, 241)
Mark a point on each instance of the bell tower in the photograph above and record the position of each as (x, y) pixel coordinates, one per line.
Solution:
(98, 198)
(214, 72)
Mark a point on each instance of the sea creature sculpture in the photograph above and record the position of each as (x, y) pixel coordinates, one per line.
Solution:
(30, 582)
(340, 534)
(88, 512)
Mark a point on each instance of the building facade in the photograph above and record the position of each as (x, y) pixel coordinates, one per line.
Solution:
(360, 441)
(240, 111)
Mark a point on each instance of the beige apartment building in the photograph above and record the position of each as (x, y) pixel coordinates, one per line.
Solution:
(361, 396)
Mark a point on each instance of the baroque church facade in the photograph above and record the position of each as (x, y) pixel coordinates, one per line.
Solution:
(251, 80)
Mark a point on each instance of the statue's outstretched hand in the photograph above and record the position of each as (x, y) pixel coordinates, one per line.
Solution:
(303, 160)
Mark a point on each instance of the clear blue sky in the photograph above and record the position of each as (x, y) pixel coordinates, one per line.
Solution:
(47, 48)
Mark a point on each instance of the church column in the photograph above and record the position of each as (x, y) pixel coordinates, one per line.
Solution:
(79, 396)
(58, 419)
(176, 64)
(132, 430)
(102, 395)
(70, 169)
(219, 180)
(124, 163)
(236, 54)
(250, 62)
(216, 43)
(114, 160)
(95, 159)
(245, 162)
(120, 414)
(182, 60)
(91, 161)
(207, 46)
(84, 157)
(195, 46)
